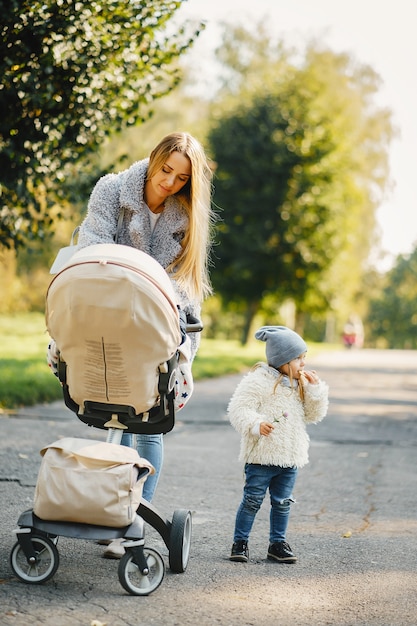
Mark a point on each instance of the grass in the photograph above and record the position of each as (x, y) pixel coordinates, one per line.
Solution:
(25, 378)
(217, 357)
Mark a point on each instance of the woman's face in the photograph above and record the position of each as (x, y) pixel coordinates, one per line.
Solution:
(295, 367)
(171, 178)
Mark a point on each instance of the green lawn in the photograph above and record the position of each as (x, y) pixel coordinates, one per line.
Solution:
(25, 378)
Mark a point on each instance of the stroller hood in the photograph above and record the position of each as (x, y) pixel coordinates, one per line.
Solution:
(112, 313)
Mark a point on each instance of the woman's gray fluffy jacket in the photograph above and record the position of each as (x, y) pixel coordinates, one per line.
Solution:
(255, 401)
(126, 190)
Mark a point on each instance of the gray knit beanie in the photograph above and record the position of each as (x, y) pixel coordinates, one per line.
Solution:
(282, 344)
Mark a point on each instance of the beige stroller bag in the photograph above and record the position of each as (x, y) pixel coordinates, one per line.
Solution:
(90, 482)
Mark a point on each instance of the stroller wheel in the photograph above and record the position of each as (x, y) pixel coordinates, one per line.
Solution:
(180, 540)
(42, 568)
(132, 579)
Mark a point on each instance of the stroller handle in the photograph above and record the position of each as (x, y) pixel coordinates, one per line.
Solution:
(194, 327)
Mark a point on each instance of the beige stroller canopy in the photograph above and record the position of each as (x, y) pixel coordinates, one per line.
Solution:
(112, 313)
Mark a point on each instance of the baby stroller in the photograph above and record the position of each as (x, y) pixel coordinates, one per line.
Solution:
(111, 310)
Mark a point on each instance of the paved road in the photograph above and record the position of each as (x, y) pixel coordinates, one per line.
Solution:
(354, 527)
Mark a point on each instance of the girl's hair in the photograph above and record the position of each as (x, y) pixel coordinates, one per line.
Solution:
(277, 382)
(191, 266)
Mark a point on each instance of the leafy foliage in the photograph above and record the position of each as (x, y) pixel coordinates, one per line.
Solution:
(301, 166)
(73, 71)
(392, 316)
(273, 223)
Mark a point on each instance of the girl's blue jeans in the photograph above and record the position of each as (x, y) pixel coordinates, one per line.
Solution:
(150, 447)
(280, 481)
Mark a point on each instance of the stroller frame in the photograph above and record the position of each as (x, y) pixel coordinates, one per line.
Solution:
(35, 559)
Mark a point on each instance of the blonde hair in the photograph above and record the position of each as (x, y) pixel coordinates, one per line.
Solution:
(277, 382)
(191, 266)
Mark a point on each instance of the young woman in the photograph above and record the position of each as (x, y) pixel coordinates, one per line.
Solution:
(164, 206)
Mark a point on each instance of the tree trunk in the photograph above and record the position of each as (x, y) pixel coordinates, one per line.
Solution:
(299, 323)
(249, 315)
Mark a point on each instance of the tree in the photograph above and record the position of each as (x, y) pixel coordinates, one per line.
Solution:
(392, 316)
(73, 72)
(301, 166)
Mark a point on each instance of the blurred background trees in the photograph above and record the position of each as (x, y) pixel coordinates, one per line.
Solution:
(301, 155)
(299, 145)
(392, 315)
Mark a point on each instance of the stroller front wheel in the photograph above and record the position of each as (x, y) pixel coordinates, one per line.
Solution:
(39, 569)
(132, 579)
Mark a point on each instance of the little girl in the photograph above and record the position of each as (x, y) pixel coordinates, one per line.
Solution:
(270, 408)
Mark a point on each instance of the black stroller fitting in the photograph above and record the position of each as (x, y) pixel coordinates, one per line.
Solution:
(111, 311)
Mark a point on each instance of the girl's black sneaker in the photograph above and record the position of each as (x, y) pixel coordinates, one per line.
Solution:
(240, 551)
(281, 552)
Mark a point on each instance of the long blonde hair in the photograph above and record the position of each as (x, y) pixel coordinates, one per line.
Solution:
(191, 266)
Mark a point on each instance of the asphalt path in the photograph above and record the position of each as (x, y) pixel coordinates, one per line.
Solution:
(353, 528)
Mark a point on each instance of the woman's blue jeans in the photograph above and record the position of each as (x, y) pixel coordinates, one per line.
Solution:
(150, 447)
(280, 481)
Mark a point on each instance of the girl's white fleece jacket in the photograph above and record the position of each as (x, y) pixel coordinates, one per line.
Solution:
(255, 401)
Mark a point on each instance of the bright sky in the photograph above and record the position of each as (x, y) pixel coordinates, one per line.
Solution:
(379, 33)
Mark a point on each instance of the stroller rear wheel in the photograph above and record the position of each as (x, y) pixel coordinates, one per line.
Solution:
(44, 564)
(180, 540)
(132, 579)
